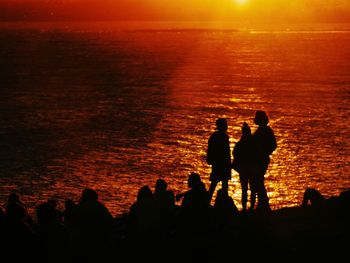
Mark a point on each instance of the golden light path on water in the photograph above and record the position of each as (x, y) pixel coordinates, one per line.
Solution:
(147, 105)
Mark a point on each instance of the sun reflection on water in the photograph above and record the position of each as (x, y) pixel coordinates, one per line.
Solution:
(147, 105)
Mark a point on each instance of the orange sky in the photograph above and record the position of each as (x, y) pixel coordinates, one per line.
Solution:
(253, 10)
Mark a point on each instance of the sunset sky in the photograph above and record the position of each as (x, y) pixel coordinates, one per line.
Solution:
(234, 10)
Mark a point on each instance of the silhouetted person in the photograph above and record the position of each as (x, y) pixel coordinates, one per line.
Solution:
(329, 218)
(17, 236)
(195, 210)
(196, 198)
(90, 212)
(196, 221)
(14, 198)
(265, 141)
(219, 157)
(69, 205)
(145, 226)
(244, 162)
(313, 197)
(145, 214)
(54, 237)
(54, 203)
(91, 225)
(335, 204)
(333, 212)
(164, 198)
(225, 210)
(165, 203)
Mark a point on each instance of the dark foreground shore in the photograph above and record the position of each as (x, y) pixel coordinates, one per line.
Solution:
(287, 234)
(291, 234)
(157, 230)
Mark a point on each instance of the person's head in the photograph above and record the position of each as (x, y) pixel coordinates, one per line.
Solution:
(13, 198)
(261, 118)
(89, 195)
(193, 180)
(221, 124)
(15, 212)
(246, 129)
(144, 193)
(161, 185)
(46, 213)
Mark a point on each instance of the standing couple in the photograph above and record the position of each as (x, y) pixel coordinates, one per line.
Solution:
(251, 157)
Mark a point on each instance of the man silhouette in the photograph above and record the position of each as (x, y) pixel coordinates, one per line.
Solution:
(265, 141)
(219, 157)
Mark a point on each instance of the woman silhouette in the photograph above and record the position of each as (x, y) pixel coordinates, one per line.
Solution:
(244, 162)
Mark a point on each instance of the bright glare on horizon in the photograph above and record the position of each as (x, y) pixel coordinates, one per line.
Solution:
(176, 10)
(241, 2)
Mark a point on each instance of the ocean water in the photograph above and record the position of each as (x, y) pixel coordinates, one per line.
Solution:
(115, 106)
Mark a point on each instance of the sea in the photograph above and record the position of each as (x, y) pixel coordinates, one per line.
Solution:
(115, 106)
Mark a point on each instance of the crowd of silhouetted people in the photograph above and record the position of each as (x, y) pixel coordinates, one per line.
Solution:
(157, 223)
(87, 231)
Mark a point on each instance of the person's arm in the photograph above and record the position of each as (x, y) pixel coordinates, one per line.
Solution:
(272, 142)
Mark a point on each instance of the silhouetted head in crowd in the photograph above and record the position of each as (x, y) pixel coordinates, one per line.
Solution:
(246, 131)
(46, 213)
(15, 209)
(221, 124)
(89, 195)
(261, 118)
(69, 205)
(193, 180)
(161, 185)
(15, 212)
(14, 198)
(144, 193)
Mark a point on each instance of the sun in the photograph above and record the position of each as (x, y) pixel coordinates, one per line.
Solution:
(240, 2)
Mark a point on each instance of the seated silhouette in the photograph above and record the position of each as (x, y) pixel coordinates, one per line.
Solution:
(53, 236)
(164, 198)
(195, 215)
(17, 235)
(224, 205)
(165, 203)
(69, 205)
(146, 228)
(196, 199)
(144, 214)
(334, 205)
(91, 225)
